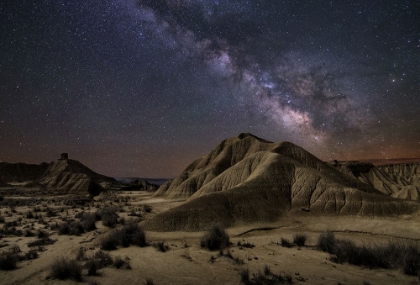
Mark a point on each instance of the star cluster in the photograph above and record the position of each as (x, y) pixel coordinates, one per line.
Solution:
(143, 87)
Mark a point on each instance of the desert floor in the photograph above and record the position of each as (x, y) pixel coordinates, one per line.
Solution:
(185, 262)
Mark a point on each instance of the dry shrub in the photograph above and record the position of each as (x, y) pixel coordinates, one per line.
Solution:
(215, 238)
(66, 269)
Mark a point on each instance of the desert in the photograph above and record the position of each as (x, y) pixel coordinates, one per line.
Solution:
(249, 212)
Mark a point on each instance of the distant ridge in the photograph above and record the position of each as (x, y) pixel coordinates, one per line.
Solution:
(21, 172)
(248, 179)
(397, 180)
(71, 176)
(382, 162)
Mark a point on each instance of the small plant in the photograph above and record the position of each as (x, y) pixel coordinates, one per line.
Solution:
(66, 269)
(285, 243)
(80, 254)
(121, 263)
(32, 254)
(299, 239)
(161, 246)
(326, 241)
(103, 258)
(92, 265)
(215, 238)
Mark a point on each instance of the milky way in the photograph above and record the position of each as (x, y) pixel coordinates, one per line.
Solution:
(142, 87)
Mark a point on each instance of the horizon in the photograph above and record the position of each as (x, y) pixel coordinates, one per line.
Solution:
(143, 88)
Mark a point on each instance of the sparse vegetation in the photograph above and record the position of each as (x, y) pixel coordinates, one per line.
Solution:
(130, 234)
(66, 269)
(215, 238)
(263, 277)
(326, 241)
(373, 256)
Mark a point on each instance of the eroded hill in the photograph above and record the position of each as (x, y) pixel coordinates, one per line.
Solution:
(247, 179)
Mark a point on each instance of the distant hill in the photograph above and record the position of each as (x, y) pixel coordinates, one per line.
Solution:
(248, 179)
(64, 176)
(397, 180)
(71, 176)
(21, 172)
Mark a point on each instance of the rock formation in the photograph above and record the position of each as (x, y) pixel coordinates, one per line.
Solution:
(247, 179)
(70, 176)
(397, 180)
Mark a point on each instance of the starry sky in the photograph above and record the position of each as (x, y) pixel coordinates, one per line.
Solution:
(140, 88)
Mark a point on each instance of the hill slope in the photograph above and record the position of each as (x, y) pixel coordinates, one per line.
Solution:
(247, 179)
(397, 180)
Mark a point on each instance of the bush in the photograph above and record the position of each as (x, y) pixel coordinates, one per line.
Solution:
(66, 269)
(32, 254)
(385, 256)
(92, 265)
(108, 217)
(8, 261)
(73, 228)
(215, 238)
(88, 222)
(299, 239)
(326, 241)
(161, 246)
(129, 234)
(110, 241)
(285, 243)
(104, 258)
(121, 263)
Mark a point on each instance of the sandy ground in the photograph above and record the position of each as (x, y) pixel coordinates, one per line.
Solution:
(187, 263)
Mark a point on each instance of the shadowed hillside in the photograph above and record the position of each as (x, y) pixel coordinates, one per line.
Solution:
(21, 172)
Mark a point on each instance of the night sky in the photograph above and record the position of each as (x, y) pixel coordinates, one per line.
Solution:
(143, 87)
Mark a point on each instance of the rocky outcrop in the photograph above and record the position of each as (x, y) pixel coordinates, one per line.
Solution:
(247, 179)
